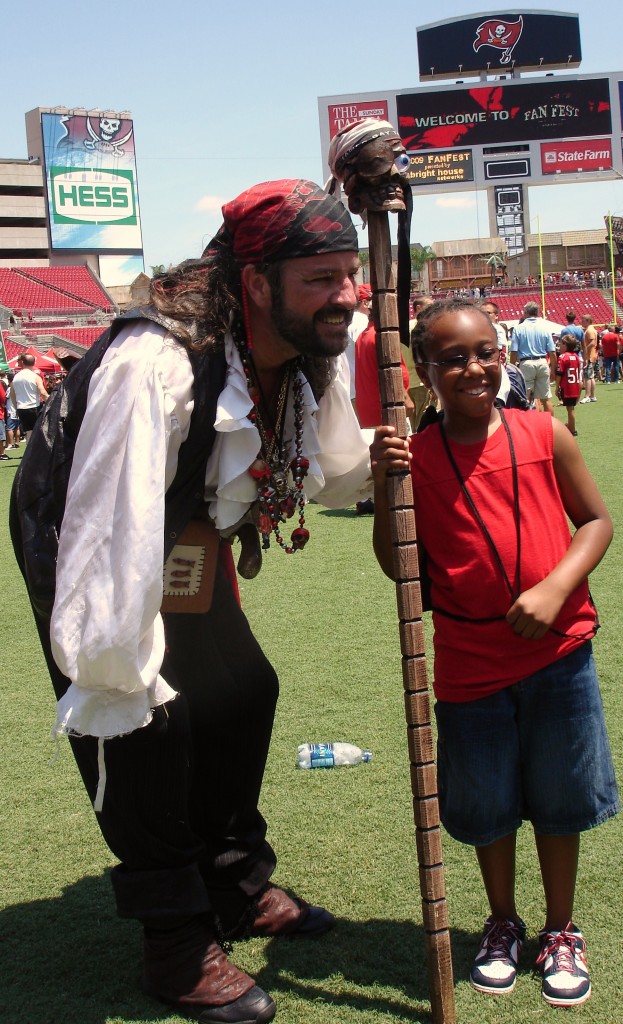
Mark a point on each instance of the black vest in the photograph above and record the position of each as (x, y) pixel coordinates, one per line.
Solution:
(40, 488)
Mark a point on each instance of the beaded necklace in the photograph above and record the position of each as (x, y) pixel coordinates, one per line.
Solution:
(277, 498)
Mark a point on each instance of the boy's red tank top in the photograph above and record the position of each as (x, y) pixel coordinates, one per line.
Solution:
(474, 659)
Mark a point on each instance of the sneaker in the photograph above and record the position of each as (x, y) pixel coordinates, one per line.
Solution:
(592, 399)
(5, 458)
(584, 401)
(495, 967)
(565, 975)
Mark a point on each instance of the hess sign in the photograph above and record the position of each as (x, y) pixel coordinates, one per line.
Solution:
(91, 196)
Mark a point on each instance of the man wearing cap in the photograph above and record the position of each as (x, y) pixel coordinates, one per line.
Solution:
(216, 411)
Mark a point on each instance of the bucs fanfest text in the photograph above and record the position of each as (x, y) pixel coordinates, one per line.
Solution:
(434, 168)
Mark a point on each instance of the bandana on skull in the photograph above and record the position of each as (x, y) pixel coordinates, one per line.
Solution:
(280, 220)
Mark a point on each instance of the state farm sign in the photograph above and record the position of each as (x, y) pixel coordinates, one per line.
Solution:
(571, 157)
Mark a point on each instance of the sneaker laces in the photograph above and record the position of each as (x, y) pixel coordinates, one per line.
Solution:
(562, 946)
(499, 938)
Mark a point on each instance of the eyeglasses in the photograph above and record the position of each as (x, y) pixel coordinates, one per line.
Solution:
(456, 364)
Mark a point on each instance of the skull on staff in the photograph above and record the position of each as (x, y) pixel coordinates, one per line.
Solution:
(369, 160)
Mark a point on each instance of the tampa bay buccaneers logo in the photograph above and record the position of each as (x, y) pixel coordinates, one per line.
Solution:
(502, 35)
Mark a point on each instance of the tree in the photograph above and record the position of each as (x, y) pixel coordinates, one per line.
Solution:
(497, 265)
(157, 270)
(420, 256)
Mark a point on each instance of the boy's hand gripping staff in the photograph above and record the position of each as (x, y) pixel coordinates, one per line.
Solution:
(369, 160)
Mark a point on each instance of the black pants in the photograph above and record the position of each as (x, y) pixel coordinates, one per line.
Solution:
(27, 419)
(180, 800)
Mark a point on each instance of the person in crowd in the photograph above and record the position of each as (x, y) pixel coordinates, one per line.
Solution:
(369, 412)
(358, 324)
(589, 357)
(27, 393)
(610, 349)
(418, 393)
(3, 397)
(492, 310)
(367, 379)
(569, 374)
(216, 411)
(532, 346)
(517, 696)
(572, 328)
(12, 423)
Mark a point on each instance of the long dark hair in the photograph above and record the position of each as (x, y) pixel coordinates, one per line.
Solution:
(204, 299)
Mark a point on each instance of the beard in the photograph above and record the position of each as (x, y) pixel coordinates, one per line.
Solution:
(311, 338)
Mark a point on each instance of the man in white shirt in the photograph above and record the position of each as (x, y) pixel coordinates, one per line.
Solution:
(27, 393)
(220, 402)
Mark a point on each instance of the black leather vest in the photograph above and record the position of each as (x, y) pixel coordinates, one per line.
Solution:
(40, 488)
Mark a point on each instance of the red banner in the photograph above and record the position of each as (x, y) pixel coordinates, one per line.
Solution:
(571, 157)
(343, 114)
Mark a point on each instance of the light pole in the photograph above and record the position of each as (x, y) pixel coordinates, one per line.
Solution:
(612, 281)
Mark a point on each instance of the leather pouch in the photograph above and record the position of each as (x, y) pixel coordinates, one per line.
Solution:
(190, 569)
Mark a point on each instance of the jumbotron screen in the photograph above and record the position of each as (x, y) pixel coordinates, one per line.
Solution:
(500, 113)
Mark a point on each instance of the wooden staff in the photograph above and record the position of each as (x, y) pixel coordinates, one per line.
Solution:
(409, 598)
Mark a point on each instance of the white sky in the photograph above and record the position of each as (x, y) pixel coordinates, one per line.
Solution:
(224, 95)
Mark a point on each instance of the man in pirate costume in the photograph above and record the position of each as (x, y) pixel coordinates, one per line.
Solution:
(219, 402)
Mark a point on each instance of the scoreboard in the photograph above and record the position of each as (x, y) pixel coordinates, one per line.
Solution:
(532, 131)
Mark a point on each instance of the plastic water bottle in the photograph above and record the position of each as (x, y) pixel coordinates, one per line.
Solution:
(331, 755)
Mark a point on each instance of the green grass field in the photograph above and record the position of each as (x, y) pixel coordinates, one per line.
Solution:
(345, 838)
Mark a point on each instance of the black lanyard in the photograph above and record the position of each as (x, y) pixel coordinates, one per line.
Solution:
(515, 591)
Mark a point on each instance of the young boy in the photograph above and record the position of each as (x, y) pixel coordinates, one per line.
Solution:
(569, 374)
(521, 733)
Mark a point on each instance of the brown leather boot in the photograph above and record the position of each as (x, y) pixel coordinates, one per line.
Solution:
(275, 912)
(185, 968)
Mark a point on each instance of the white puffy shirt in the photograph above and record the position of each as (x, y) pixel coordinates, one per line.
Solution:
(106, 630)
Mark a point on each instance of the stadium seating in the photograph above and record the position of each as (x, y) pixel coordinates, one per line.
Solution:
(76, 282)
(84, 336)
(11, 348)
(581, 300)
(27, 298)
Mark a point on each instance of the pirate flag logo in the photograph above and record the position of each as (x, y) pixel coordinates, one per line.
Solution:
(105, 134)
(502, 35)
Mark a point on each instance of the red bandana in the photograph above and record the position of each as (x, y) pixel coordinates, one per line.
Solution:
(280, 220)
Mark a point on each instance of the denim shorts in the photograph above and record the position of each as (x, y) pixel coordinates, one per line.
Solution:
(535, 751)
